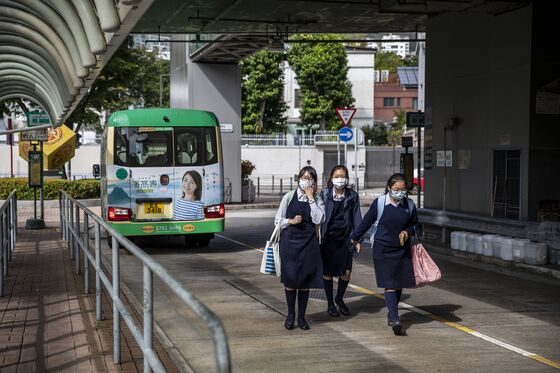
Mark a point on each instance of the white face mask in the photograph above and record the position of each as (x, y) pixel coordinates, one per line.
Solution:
(304, 183)
(339, 182)
(398, 195)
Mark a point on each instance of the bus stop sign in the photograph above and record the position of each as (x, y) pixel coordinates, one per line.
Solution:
(414, 119)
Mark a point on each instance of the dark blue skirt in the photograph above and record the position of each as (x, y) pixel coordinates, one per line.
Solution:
(393, 267)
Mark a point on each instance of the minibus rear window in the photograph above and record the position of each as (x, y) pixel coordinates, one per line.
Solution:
(143, 146)
(195, 146)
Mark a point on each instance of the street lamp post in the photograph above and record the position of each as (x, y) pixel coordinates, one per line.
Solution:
(161, 89)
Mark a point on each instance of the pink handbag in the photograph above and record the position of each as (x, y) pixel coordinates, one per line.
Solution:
(425, 269)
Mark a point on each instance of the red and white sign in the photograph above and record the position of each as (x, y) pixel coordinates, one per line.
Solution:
(345, 115)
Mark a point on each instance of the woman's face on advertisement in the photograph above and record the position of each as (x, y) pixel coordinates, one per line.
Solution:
(189, 186)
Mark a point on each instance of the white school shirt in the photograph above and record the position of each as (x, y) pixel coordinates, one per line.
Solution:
(317, 209)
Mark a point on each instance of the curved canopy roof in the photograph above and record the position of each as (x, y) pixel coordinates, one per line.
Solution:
(51, 51)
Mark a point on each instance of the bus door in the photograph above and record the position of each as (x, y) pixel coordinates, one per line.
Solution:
(198, 174)
(150, 153)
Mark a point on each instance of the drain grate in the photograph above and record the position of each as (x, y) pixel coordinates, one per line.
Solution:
(319, 294)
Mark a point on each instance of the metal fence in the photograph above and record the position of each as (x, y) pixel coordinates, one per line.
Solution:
(278, 139)
(78, 238)
(8, 234)
(278, 185)
(282, 139)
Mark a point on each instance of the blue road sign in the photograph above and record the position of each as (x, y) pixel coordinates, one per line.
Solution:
(345, 134)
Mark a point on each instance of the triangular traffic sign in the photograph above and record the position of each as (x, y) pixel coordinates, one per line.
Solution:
(345, 115)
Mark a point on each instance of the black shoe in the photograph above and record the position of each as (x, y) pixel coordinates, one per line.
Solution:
(332, 311)
(396, 325)
(303, 325)
(342, 307)
(290, 321)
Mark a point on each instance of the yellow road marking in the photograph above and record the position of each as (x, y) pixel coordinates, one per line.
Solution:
(530, 355)
(544, 360)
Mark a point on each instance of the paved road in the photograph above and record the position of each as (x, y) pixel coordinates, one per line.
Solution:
(477, 318)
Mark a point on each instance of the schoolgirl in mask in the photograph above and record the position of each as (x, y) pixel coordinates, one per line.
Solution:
(301, 269)
(342, 216)
(397, 223)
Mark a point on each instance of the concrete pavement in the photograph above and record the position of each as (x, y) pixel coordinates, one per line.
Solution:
(478, 318)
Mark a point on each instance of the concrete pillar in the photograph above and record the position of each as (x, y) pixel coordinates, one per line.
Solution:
(178, 73)
(216, 88)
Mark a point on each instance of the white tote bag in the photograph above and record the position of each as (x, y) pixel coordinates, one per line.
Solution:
(270, 262)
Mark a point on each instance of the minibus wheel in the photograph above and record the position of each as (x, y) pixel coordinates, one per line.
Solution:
(203, 242)
(190, 241)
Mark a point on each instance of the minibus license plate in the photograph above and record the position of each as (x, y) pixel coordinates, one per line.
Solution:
(153, 208)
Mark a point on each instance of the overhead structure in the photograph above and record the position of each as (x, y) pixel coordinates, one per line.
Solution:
(51, 51)
(248, 25)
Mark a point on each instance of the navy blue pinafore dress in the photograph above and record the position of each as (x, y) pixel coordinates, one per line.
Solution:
(300, 256)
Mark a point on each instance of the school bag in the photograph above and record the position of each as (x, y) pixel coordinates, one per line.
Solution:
(380, 207)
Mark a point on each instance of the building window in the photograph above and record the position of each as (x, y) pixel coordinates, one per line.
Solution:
(398, 101)
(415, 103)
(296, 99)
(388, 101)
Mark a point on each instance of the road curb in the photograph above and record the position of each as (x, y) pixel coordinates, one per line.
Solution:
(539, 270)
(268, 205)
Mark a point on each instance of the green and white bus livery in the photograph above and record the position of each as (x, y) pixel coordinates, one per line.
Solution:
(162, 173)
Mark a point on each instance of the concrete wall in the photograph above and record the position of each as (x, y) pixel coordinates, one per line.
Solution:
(361, 75)
(481, 76)
(283, 161)
(544, 177)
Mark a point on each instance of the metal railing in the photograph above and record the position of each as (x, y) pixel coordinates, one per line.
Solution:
(278, 139)
(282, 139)
(8, 234)
(278, 185)
(547, 232)
(78, 240)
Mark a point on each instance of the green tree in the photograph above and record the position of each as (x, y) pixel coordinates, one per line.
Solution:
(262, 90)
(130, 78)
(376, 134)
(322, 74)
(410, 61)
(388, 61)
(397, 128)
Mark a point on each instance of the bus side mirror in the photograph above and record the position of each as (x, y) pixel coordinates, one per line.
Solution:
(96, 171)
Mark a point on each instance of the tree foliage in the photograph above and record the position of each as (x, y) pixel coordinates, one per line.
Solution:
(262, 90)
(390, 61)
(376, 134)
(397, 128)
(131, 77)
(322, 74)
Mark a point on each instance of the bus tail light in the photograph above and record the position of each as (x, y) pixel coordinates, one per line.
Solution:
(214, 211)
(119, 214)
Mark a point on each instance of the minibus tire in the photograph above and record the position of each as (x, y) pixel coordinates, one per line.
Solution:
(203, 242)
(190, 241)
